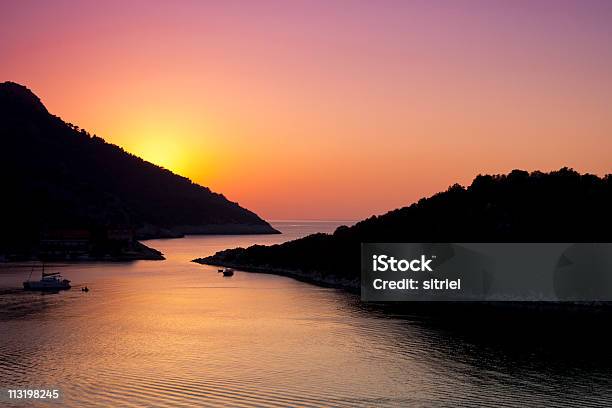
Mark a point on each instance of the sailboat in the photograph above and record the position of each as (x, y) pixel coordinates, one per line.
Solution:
(49, 281)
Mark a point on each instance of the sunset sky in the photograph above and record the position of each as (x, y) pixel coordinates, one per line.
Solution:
(325, 109)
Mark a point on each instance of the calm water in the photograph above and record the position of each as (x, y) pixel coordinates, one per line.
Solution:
(174, 333)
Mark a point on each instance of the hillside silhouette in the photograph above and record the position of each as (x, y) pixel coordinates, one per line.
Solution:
(560, 206)
(58, 180)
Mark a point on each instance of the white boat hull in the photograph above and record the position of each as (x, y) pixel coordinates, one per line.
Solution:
(44, 286)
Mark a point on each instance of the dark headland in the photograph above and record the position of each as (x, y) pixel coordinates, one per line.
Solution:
(67, 194)
(560, 206)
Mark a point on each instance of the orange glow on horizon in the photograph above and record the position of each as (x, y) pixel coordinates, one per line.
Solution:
(322, 111)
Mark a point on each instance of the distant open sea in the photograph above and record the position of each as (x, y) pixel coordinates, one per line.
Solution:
(177, 334)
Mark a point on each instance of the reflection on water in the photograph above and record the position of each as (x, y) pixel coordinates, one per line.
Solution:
(174, 333)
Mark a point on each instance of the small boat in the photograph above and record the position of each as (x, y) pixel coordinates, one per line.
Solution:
(227, 271)
(85, 289)
(49, 281)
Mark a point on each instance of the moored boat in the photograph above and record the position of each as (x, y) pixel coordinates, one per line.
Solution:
(49, 281)
(227, 271)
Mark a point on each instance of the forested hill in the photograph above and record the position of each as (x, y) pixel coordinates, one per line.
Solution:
(57, 176)
(561, 206)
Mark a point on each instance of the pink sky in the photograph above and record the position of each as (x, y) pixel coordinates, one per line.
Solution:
(330, 109)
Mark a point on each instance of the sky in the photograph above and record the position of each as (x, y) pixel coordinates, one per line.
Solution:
(326, 109)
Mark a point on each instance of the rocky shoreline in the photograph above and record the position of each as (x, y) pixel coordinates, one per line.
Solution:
(153, 232)
(311, 277)
(354, 287)
(137, 252)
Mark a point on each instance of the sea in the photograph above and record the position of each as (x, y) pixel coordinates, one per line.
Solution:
(174, 333)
